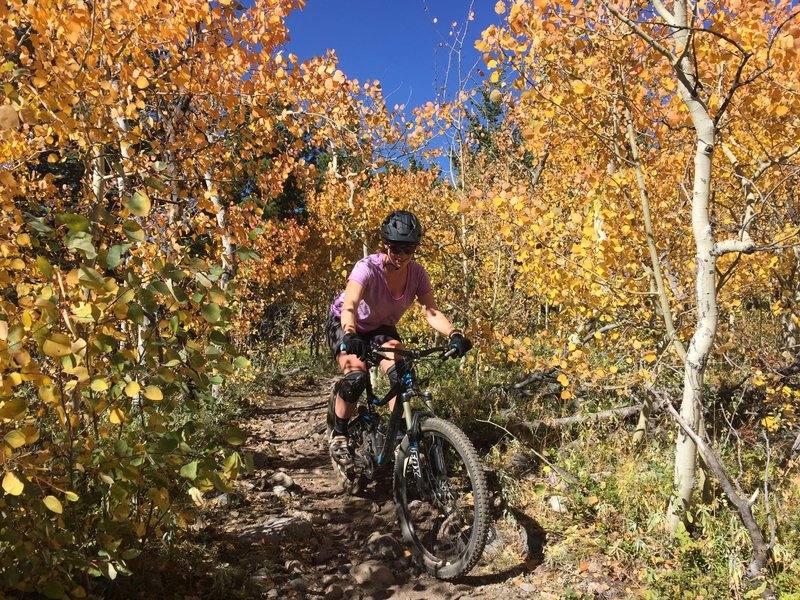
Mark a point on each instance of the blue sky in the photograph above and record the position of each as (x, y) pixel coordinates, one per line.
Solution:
(401, 43)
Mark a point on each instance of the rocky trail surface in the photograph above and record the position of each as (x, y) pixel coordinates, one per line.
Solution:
(300, 536)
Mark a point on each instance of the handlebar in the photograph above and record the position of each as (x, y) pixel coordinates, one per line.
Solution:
(377, 352)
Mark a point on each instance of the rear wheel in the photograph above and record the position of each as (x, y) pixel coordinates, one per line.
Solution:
(444, 516)
(351, 478)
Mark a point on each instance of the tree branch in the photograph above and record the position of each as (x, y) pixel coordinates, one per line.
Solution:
(761, 549)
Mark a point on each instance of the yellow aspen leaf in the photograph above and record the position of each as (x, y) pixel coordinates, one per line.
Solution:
(99, 385)
(562, 379)
(592, 500)
(53, 504)
(57, 345)
(15, 438)
(580, 87)
(495, 96)
(152, 392)
(116, 416)
(12, 484)
(132, 388)
(650, 357)
(782, 110)
(142, 82)
(49, 394)
(565, 395)
(31, 434)
(613, 369)
(500, 7)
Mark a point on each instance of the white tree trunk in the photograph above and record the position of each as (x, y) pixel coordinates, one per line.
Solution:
(705, 285)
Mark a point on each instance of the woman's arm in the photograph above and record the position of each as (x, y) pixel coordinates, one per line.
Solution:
(352, 297)
(434, 316)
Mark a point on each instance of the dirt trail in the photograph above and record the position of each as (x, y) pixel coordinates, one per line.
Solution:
(305, 538)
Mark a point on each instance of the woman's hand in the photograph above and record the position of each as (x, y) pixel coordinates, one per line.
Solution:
(459, 343)
(352, 344)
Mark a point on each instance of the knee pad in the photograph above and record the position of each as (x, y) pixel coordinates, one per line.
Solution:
(352, 385)
(397, 370)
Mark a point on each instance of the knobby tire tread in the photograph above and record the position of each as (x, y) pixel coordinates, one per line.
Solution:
(463, 446)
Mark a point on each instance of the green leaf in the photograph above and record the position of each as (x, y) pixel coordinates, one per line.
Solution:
(37, 224)
(135, 313)
(81, 242)
(115, 254)
(218, 338)
(240, 362)
(189, 470)
(160, 165)
(139, 203)
(247, 254)
(75, 223)
(90, 278)
(133, 230)
(44, 267)
(219, 482)
(211, 312)
(159, 287)
(235, 436)
(154, 182)
(53, 589)
(71, 496)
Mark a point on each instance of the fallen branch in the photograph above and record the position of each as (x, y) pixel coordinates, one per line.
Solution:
(546, 376)
(591, 417)
(761, 549)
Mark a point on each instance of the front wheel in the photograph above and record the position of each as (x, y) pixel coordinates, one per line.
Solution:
(443, 513)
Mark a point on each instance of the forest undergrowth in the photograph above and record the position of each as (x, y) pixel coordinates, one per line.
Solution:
(599, 497)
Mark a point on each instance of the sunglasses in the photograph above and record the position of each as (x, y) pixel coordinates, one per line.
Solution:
(402, 249)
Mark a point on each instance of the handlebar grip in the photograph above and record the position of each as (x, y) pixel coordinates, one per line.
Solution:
(449, 354)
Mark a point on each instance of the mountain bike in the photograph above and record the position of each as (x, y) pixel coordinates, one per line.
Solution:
(438, 481)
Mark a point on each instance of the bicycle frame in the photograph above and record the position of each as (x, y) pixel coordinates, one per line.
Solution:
(404, 390)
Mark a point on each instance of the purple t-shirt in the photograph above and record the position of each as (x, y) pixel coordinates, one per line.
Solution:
(378, 306)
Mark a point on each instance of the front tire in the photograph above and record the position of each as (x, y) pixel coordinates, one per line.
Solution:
(445, 519)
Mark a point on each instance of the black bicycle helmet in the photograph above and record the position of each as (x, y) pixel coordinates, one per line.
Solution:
(401, 227)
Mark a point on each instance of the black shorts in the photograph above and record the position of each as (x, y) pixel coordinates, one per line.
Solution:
(334, 334)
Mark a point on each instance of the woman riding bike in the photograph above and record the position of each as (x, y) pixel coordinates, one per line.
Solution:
(380, 289)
